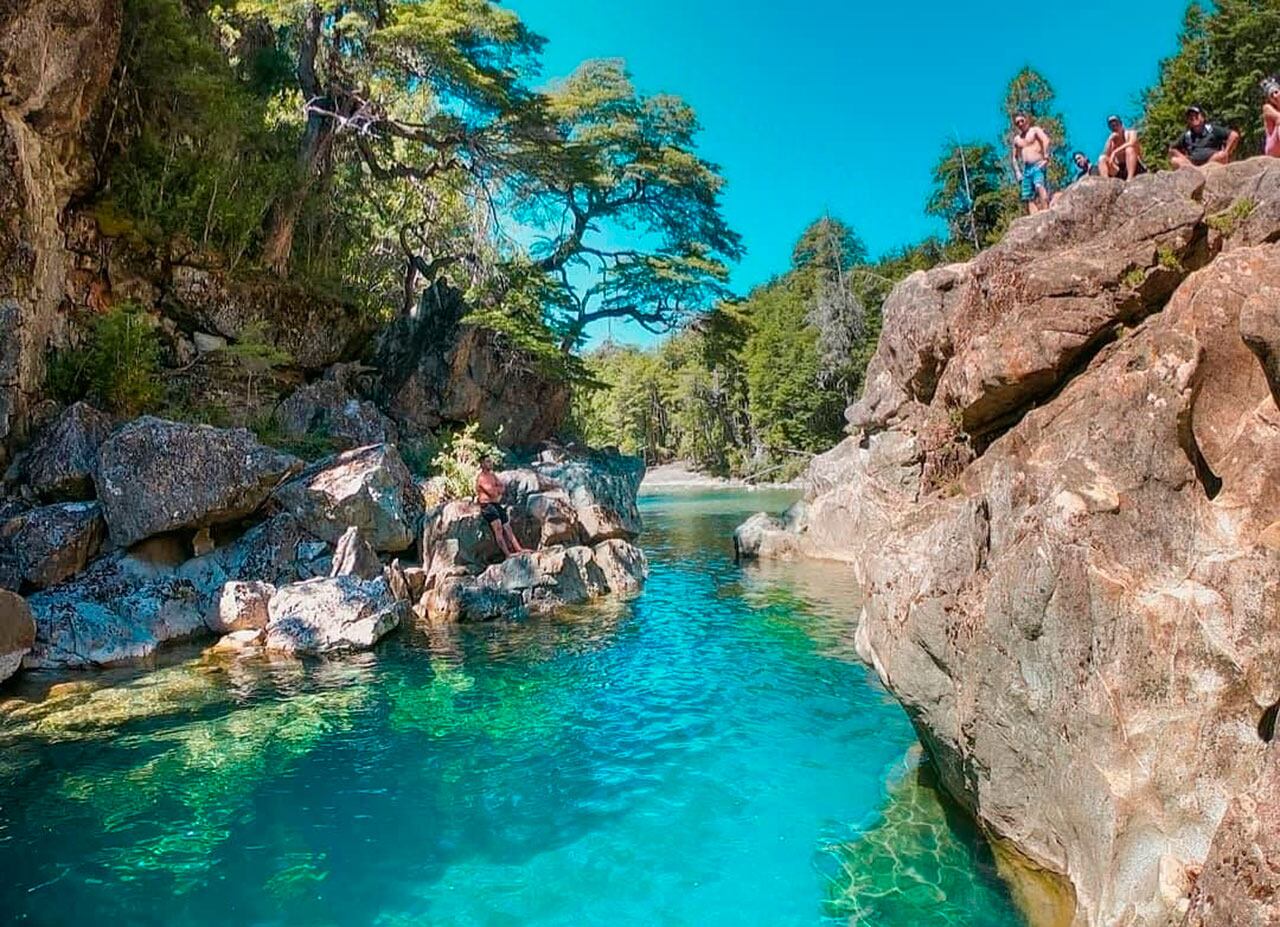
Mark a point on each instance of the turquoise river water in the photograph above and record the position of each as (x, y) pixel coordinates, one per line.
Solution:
(710, 752)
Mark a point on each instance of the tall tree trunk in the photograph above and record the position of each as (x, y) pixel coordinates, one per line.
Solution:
(317, 139)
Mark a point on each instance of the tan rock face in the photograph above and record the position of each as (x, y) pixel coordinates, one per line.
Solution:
(1063, 508)
(56, 58)
(17, 632)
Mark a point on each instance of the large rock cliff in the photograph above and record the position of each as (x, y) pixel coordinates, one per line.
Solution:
(55, 63)
(1062, 497)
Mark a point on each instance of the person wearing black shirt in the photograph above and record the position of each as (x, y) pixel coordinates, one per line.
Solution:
(1203, 142)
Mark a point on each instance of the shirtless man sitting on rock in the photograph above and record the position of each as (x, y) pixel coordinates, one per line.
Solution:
(1031, 148)
(489, 492)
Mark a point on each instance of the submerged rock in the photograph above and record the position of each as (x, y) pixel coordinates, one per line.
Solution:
(369, 488)
(329, 615)
(44, 546)
(157, 476)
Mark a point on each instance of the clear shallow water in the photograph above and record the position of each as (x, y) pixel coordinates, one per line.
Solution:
(708, 753)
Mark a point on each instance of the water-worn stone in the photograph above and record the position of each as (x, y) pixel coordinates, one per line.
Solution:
(17, 632)
(44, 546)
(369, 488)
(1078, 612)
(119, 609)
(329, 615)
(354, 557)
(63, 461)
(156, 476)
(601, 488)
(241, 606)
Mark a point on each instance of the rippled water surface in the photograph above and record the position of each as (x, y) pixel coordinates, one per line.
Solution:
(707, 753)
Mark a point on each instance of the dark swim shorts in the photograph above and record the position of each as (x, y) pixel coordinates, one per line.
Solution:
(491, 511)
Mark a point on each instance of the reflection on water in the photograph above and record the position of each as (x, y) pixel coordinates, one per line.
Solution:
(708, 752)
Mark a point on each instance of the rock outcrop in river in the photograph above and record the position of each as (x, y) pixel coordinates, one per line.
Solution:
(1062, 499)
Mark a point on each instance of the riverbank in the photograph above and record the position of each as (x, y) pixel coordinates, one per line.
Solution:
(679, 475)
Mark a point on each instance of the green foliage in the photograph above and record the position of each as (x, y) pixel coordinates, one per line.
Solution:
(118, 369)
(969, 193)
(197, 154)
(1223, 53)
(1227, 221)
(458, 461)
(315, 444)
(754, 387)
(257, 355)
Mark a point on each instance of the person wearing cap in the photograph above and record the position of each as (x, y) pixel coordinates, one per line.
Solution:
(1203, 142)
(1030, 150)
(1271, 117)
(1122, 155)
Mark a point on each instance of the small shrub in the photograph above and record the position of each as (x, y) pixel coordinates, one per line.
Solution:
(1168, 259)
(458, 461)
(313, 445)
(257, 355)
(1135, 277)
(1227, 221)
(419, 454)
(118, 369)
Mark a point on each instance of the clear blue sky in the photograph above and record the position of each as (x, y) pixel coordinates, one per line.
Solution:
(823, 105)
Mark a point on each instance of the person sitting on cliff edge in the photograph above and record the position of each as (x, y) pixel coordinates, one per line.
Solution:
(1122, 155)
(1030, 149)
(489, 492)
(1203, 142)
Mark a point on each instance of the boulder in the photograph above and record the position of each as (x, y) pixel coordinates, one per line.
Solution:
(156, 476)
(601, 488)
(538, 582)
(547, 519)
(44, 546)
(1063, 507)
(764, 536)
(238, 642)
(341, 613)
(17, 632)
(241, 606)
(369, 488)
(354, 557)
(63, 461)
(119, 609)
(315, 331)
(456, 540)
(327, 407)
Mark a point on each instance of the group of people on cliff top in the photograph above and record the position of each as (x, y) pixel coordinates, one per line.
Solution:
(1202, 143)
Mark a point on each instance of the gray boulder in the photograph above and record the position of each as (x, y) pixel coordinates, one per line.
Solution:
(342, 613)
(17, 633)
(241, 606)
(354, 557)
(328, 407)
(63, 461)
(119, 609)
(156, 476)
(44, 546)
(369, 488)
(601, 487)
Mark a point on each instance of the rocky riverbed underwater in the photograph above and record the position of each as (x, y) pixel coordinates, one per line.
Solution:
(707, 751)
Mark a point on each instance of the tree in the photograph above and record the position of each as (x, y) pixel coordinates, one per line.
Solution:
(1223, 53)
(968, 193)
(1031, 93)
(627, 169)
(827, 257)
(410, 90)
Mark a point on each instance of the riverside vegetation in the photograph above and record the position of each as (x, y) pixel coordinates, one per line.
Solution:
(273, 275)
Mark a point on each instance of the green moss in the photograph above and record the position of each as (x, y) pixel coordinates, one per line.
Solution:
(1135, 277)
(1168, 258)
(1227, 221)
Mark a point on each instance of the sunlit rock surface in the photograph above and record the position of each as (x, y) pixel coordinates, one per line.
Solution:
(1062, 500)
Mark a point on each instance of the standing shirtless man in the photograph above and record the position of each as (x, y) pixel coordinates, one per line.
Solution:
(1030, 151)
(489, 491)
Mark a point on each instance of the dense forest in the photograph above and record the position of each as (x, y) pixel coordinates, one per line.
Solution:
(756, 386)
